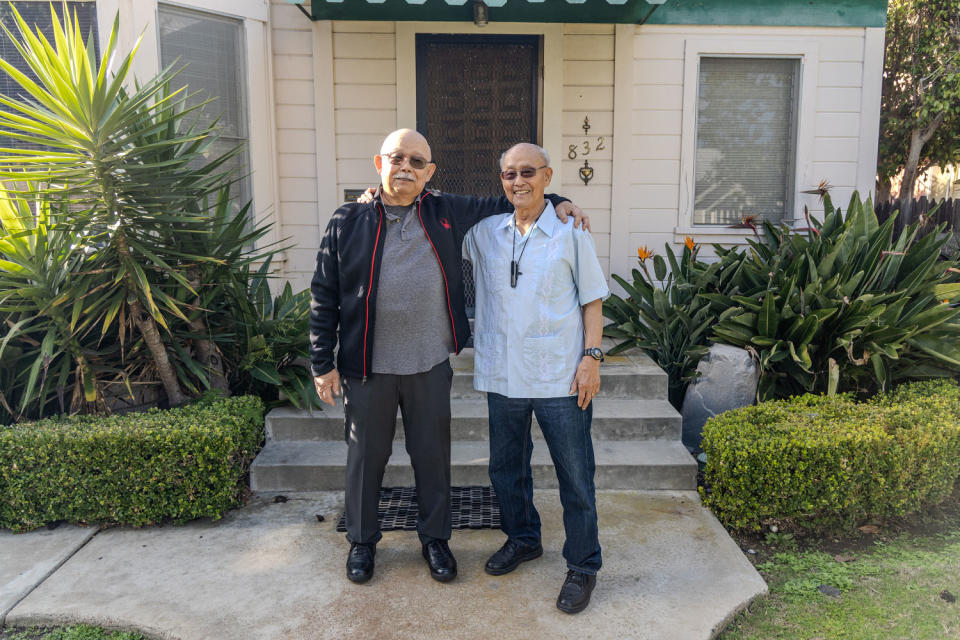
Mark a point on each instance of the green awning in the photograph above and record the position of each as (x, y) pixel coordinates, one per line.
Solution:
(814, 13)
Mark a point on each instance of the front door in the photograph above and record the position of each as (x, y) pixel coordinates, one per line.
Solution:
(476, 96)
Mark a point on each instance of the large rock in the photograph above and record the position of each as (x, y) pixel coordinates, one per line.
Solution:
(728, 380)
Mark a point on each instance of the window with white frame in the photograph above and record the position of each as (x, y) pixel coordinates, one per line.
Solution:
(746, 139)
(209, 50)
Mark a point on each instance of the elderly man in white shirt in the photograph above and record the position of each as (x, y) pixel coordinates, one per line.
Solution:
(537, 351)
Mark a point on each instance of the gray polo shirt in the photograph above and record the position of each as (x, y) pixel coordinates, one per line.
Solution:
(412, 333)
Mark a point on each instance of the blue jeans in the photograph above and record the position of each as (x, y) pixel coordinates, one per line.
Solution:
(566, 428)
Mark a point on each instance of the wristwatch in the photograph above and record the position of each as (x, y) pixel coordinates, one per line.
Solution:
(594, 352)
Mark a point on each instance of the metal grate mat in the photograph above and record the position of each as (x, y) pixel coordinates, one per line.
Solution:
(470, 508)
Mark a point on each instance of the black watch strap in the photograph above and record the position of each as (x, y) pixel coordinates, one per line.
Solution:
(594, 352)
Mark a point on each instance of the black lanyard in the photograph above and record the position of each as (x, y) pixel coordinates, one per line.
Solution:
(514, 261)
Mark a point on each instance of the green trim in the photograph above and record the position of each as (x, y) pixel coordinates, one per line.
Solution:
(789, 13)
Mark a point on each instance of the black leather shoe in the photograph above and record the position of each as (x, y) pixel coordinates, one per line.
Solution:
(443, 566)
(360, 562)
(575, 592)
(510, 556)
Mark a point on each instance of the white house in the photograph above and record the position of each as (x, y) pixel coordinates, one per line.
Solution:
(663, 118)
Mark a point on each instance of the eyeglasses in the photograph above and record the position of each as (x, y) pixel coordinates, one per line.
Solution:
(397, 159)
(527, 172)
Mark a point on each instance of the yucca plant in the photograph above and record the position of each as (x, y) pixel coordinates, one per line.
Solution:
(127, 167)
(842, 305)
(228, 295)
(42, 340)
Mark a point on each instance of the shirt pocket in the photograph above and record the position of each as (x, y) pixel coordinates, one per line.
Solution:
(543, 358)
(495, 274)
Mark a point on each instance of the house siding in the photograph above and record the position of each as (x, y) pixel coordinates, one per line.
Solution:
(657, 126)
(636, 194)
(295, 117)
(361, 111)
(588, 91)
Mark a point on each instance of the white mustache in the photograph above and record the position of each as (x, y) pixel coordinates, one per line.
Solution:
(404, 175)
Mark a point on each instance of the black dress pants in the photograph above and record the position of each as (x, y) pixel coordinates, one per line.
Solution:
(370, 411)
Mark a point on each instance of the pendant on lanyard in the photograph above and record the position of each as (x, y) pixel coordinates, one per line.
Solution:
(515, 261)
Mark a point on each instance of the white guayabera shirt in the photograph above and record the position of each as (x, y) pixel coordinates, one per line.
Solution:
(528, 340)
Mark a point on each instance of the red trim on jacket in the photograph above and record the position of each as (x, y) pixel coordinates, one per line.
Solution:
(446, 287)
(366, 318)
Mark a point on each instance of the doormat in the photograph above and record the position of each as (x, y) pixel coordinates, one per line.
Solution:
(470, 508)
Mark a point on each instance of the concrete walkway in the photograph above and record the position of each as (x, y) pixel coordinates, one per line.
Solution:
(273, 571)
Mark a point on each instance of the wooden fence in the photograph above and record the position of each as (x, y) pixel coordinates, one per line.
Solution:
(948, 211)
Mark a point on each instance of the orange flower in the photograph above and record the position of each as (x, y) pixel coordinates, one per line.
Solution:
(643, 253)
(822, 189)
(746, 222)
(689, 242)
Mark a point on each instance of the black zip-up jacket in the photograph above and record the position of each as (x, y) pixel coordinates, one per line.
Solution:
(344, 286)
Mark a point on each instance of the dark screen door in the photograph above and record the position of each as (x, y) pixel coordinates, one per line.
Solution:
(476, 96)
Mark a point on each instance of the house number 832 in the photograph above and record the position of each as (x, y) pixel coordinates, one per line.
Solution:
(572, 151)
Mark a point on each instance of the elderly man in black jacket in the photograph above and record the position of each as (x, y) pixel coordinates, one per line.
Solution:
(388, 287)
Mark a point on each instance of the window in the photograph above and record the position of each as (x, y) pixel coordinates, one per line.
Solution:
(746, 139)
(210, 51)
(37, 15)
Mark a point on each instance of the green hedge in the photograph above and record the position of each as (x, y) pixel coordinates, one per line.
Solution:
(133, 469)
(830, 463)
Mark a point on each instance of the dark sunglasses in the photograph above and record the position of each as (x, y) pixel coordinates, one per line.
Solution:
(397, 159)
(526, 172)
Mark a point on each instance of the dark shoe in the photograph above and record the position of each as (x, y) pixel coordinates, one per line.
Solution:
(575, 592)
(510, 556)
(443, 566)
(360, 562)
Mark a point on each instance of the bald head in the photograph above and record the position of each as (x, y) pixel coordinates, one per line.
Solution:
(406, 137)
(401, 153)
(528, 147)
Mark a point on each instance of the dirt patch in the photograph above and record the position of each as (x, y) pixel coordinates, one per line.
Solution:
(925, 525)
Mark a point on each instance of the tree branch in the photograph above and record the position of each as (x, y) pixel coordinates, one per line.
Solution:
(929, 131)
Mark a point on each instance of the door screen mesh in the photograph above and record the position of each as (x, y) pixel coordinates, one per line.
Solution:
(476, 96)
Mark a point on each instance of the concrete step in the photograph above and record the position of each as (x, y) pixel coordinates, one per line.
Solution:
(320, 466)
(624, 376)
(613, 419)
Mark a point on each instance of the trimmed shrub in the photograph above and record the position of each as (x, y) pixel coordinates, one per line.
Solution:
(828, 463)
(133, 469)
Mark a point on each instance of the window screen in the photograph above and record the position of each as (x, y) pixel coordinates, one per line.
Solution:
(37, 15)
(210, 53)
(746, 139)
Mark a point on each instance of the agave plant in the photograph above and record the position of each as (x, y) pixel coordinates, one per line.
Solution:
(127, 167)
(842, 305)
